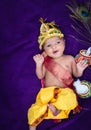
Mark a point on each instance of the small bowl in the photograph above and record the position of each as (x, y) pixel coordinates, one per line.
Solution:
(83, 56)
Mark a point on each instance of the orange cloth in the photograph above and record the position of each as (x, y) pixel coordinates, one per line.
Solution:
(58, 71)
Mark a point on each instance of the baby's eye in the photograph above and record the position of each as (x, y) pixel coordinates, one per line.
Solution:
(48, 45)
(58, 42)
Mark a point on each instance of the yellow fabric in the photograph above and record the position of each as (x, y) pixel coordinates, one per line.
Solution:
(65, 101)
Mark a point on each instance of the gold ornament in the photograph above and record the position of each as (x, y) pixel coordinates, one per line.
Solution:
(48, 30)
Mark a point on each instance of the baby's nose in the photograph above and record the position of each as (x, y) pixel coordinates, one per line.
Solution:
(53, 46)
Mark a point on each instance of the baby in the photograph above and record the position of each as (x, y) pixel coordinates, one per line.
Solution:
(56, 99)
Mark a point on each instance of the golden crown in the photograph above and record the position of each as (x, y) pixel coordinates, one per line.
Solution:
(48, 30)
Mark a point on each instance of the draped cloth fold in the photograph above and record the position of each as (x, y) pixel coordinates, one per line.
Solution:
(58, 71)
(63, 99)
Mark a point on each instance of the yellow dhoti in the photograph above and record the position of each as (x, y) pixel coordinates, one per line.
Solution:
(63, 99)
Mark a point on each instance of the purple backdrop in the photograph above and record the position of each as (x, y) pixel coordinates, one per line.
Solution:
(19, 30)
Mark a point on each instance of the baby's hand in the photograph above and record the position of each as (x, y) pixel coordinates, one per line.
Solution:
(82, 65)
(39, 59)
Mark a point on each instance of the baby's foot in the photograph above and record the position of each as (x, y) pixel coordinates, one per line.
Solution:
(54, 110)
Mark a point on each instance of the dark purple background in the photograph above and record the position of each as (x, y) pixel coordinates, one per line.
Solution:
(19, 30)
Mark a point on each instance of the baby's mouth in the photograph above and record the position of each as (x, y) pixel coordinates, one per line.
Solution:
(55, 51)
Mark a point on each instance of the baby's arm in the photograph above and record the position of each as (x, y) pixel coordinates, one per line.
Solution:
(78, 68)
(81, 66)
(40, 71)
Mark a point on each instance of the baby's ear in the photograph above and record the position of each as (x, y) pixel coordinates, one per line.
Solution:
(44, 54)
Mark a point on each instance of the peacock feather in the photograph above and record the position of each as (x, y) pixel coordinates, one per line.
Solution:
(80, 13)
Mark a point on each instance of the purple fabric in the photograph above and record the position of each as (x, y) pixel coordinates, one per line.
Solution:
(19, 30)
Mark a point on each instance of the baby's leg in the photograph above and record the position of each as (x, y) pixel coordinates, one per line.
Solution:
(32, 127)
(54, 110)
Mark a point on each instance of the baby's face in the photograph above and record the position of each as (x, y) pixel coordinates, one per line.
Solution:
(54, 47)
